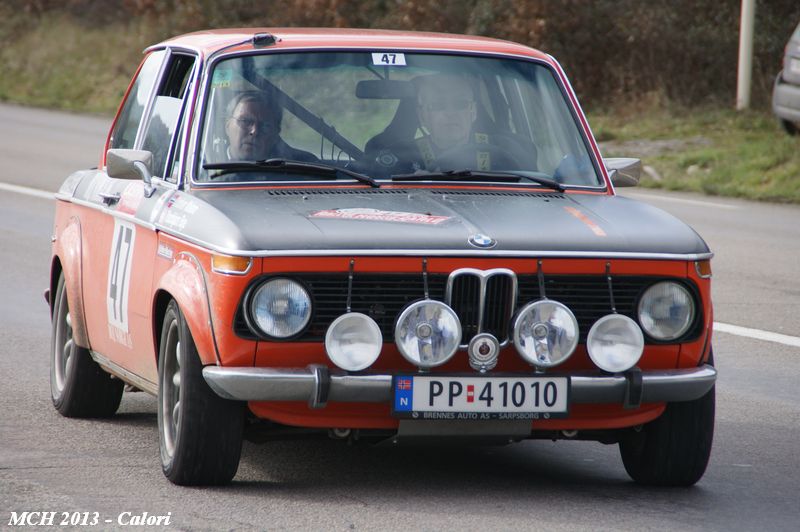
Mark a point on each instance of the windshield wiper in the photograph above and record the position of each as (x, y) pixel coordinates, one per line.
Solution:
(480, 175)
(287, 165)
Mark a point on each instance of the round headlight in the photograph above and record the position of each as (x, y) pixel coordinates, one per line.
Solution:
(666, 310)
(280, 307)
(427, 333)
(545, 333)
(615, 343)
(353, 341)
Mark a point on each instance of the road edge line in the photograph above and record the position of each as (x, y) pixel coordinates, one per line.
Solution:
(35, 192)
(757, 334)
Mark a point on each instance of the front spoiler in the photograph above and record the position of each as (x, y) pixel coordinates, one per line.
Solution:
(317, 385)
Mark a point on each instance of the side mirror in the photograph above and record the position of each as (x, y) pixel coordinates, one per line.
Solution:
(131, 164)
(624, 171)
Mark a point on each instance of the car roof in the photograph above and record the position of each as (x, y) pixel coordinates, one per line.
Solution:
(208, 42)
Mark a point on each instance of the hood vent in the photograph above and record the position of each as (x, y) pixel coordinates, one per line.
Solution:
(336, 192)
(508, 193)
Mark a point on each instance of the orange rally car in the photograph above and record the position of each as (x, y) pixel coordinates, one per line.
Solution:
(379, 236)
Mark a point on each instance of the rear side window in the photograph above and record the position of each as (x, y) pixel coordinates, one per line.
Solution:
(124, 133)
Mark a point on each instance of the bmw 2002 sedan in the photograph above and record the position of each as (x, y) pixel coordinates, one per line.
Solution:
(373, 235)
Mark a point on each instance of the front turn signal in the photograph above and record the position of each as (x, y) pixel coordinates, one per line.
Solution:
(230, 264)
(703, 268)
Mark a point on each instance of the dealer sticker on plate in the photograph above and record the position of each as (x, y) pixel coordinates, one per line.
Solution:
(462, 397)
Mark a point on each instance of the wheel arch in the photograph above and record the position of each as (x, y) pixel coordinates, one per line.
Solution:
(67, 260)
(185, 283)
(55, 273)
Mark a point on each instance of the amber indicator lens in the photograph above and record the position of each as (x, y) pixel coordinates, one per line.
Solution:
(230, 264)
(703, 268)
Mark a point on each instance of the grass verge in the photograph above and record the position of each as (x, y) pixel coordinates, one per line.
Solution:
(714, 151)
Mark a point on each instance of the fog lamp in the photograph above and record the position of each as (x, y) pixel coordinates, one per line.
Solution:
(353, 341)
(545, 333)
(615, 343)
(427, 333)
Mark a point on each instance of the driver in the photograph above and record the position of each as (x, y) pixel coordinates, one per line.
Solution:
(253, 128)
(447, 113)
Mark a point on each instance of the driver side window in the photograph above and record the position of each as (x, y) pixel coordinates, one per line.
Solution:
(127, 125)
(168, 106)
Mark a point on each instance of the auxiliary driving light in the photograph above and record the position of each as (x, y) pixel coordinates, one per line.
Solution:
(353, 341)
(615, 343)
(427, 333)
(545, 333)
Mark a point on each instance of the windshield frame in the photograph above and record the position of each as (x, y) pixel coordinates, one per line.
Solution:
(559, 77)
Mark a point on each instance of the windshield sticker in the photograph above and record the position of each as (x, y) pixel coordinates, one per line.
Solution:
(375, 215)
(596, 229)
(389, 59)
(222, 78)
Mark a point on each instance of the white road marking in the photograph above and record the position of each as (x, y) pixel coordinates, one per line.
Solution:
(35, 192)
(757, 334)
(658, 197)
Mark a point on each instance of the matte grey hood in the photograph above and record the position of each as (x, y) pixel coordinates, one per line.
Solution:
(257, 220)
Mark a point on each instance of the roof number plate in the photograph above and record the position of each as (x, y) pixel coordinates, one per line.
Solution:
(389, 59)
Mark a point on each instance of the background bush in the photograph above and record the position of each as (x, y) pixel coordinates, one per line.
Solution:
(80, 54)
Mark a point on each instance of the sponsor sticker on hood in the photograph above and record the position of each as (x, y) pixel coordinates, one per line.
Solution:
(376, 215)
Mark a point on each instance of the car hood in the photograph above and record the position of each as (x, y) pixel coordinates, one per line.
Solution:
(449, 221)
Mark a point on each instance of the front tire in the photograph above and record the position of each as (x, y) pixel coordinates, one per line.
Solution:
(78, 386)
(200, 433)
(674, 449)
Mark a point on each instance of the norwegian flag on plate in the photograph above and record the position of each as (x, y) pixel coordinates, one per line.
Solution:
(403, 394)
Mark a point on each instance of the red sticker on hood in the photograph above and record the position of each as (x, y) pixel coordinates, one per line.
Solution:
(375, 215)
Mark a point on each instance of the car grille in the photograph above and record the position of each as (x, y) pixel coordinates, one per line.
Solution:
(383, 296)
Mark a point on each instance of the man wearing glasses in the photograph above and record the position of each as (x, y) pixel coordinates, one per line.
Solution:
(253, 129)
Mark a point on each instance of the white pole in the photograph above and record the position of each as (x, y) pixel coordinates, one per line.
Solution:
(743, 80)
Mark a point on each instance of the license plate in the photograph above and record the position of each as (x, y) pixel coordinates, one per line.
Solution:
(794, 65)
(461, 397)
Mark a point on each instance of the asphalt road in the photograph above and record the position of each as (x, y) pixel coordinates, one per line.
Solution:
(106, 468)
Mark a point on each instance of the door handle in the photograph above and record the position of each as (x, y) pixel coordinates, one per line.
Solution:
(109, 199)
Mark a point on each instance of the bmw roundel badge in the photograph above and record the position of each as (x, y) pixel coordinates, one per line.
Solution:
(482, 241)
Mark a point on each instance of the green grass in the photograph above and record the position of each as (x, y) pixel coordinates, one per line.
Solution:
(57, 64)
(713, 151)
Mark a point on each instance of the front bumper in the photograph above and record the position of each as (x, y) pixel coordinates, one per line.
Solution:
(317, 385)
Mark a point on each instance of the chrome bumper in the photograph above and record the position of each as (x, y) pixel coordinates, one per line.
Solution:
(317, 385)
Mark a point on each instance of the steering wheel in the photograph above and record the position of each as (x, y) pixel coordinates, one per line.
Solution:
(467, 156)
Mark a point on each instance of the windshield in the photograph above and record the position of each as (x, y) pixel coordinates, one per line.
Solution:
(389, 114)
